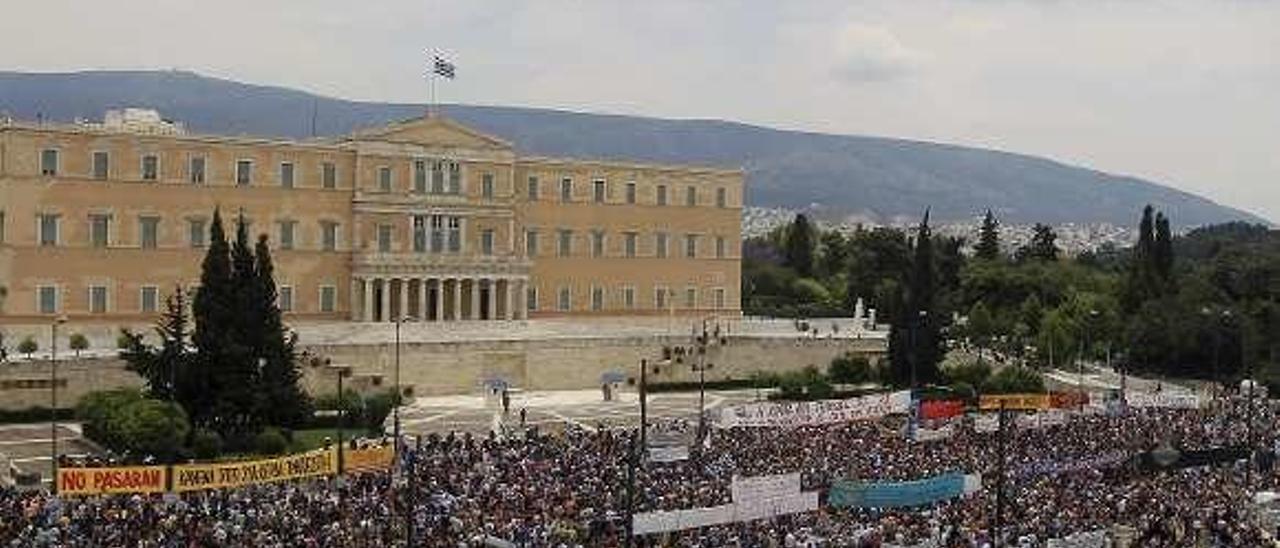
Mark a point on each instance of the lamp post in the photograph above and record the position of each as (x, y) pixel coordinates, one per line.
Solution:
(702, 341)
(1093, 317)
(53, 401)
(395, 410)
(999, 521)
(1218, 324)
(341, 371)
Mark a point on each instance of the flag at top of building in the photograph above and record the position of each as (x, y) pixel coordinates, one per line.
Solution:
(443, 68)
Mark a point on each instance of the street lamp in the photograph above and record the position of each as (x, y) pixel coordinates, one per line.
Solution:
(395, 411)
(701, 366)
(341, 372)
(1093, 316)
(1217, 343)
(53, 400)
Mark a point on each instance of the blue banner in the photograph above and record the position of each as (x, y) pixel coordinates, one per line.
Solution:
(896, 494)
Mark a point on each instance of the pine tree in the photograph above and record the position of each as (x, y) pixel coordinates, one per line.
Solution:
(1044, 246)
(283, 401)
(988, 247)
(800, 245)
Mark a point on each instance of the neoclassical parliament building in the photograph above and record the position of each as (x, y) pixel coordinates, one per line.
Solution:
(423, 219)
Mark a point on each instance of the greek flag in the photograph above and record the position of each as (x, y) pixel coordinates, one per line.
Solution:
(443, 68)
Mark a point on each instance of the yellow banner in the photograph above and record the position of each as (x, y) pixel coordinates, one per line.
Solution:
(193, 477)
(371, 459)
(1022, 402)
(115, 480)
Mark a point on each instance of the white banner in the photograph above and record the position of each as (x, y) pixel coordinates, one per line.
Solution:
(764, 487)
(1043, 419)
(986, 423)
(675, 520)
(1091, 539)
(934, 434)
(668, 453)
(1161, 399)
(792, 414)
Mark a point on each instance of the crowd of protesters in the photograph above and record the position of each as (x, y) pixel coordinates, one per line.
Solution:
(577, 487)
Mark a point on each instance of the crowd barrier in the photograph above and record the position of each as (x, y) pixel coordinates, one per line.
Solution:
(182, 478)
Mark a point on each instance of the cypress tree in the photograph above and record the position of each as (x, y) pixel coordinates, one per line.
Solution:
(1162, 250)
(988, 247)
(1044, 243)
(214, 313)
(799, 248)
(174, 330)
(915, 335)
(283, 402)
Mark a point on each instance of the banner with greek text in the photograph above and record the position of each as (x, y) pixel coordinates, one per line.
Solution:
(1033, 402)
(746, 489)
(897, 494)
(1141, 400)
(792, 414)
(676, 520)
(192, 477)
(110, 481)
(370, 459)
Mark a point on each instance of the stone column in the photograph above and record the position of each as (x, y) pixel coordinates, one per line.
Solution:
(367, 285)
(522, 299)
(422, 299)
(509, 313)
(385, 313)
(439, 299)
(475, 298)
(404, 300)
(493, 299)
(457, 299)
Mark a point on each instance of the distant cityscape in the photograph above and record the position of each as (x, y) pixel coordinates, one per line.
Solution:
(1073, 238)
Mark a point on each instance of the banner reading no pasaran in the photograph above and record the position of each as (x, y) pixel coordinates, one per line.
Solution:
(107, 481)
(193, 477)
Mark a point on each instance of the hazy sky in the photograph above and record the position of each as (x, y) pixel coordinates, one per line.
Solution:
(1185, 93)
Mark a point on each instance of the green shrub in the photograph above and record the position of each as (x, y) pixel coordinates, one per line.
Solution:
(270, 441)
(206, 444)
(78, 342)
(1014, 380)
(806, 384)
(28, 346)
(850, 368)
(971, 372)
(152, 427)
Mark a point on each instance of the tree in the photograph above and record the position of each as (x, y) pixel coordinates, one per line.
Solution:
(1043, 245)
(78, 343)
(981, 326)
(835, 253)
(28, 346)
(915, 342)
(799, 247)
(1162, 252)
(849, 368)
(988, 247)
(284, 402)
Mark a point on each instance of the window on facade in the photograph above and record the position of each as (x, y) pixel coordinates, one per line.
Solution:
(149, 299)
(2, 223)
(691, 246)
(598, 191)
(486, 186)
(48, 229)
(719, 297)
(597, 244)
(629, 244)
(329, 175)
(691, 196)
(662, 195)
(419, 234)
(690, 297)
(532, 189)
(631, 193)
(420, 176)
(455, 234)
(244, 172)
(720, 197)
(531, 243)
(101, 165)
(286, 174)
(384, 238)
(47, 299)
(629, 297)
(437, 233)
(287, 228)
(719, 247)
(486, 241)
(99, 230)
(455, 178)
(659, 297)
(195, 170)
(285, 298)
(660, 245)
(437, 177)
(195, 232)
(597, 298)
(150, 167)
(565, 245)
(566, 190)
(49, 162)
(148, 232)
(562, 300)
(328, 236)
(531, 298)
(328, 296)
(98, 299)
(384, 179)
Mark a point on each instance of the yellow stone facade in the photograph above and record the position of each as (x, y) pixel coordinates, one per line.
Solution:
(423, 218)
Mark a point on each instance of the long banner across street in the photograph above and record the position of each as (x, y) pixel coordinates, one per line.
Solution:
(898, 494)
(812, 413)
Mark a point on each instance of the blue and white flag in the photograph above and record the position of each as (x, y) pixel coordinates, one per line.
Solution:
(443, 68)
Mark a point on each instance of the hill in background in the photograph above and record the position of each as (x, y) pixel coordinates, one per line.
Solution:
(874, 178)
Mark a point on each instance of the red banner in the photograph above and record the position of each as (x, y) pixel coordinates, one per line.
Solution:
(941, 409)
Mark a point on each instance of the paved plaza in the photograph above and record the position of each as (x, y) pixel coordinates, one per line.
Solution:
(553, 410)
(26, 446)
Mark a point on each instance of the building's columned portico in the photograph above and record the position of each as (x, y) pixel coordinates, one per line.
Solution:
(435, 289)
